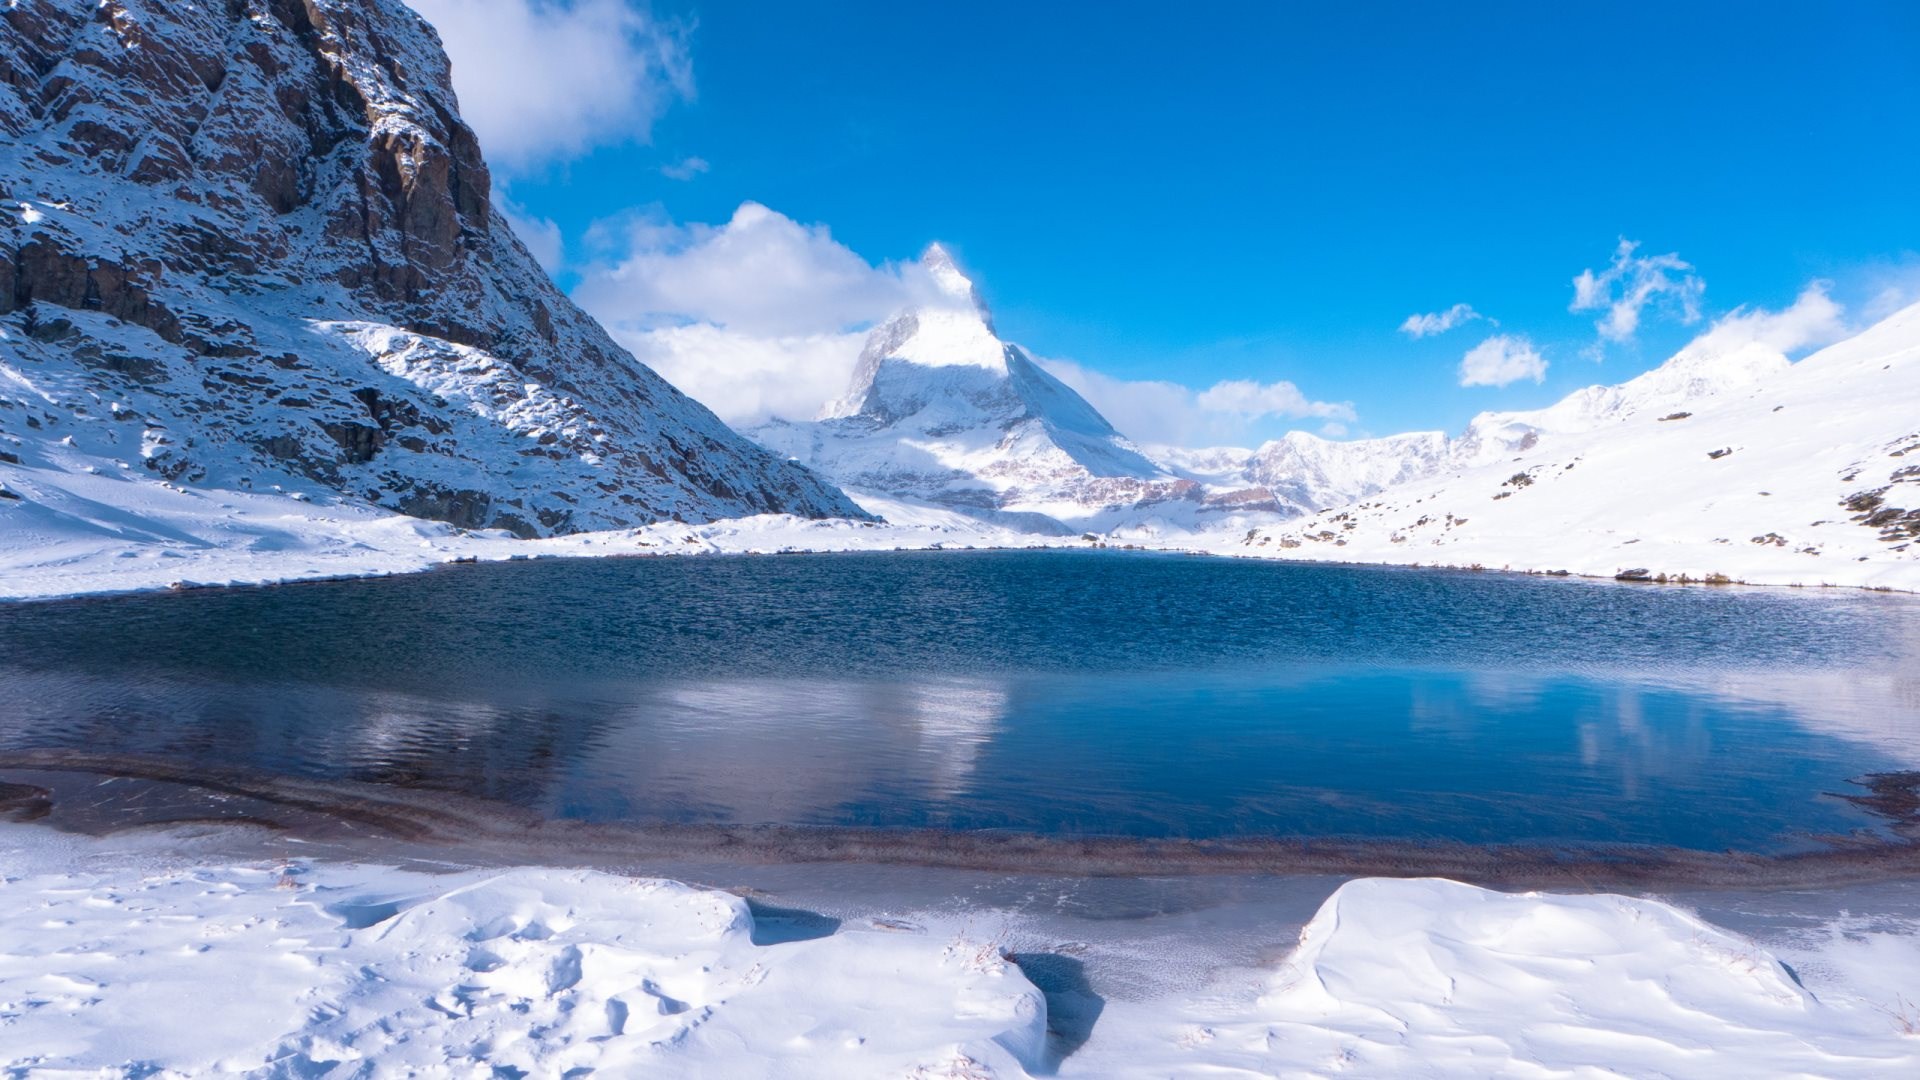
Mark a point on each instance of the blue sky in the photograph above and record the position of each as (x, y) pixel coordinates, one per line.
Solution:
(1262, 192)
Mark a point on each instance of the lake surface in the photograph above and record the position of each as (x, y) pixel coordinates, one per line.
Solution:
(1051, 692)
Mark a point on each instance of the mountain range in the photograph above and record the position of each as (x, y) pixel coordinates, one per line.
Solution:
(258, 303)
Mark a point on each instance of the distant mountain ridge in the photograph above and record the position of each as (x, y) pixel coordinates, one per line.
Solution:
(1727, 462)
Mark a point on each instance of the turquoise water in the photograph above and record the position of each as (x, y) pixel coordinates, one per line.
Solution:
(1066, 693)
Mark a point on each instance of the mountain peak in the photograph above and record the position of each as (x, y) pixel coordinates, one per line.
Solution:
(947, 276)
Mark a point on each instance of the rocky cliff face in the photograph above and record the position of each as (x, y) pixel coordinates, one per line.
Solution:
(244, 240)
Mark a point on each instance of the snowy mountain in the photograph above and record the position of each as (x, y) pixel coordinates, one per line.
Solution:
(252, 246)
(941, 411)
(1728, 461)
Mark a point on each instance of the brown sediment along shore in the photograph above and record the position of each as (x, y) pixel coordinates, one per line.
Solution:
(100, 793)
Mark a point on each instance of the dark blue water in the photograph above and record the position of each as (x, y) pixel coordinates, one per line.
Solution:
(1097, 693)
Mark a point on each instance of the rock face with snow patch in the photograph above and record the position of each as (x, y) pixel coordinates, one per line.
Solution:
(252, 241)
(942, 411)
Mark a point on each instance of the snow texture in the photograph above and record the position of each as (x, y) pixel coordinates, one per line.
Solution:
(173, 965)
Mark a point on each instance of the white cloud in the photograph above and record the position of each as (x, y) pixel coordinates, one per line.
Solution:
(1439, 322)
(1630, 283)
(1500, 360)
(746, 378)
(761, 273)
(1230, 412)
(685, 168)
(1254, 400)
(540, 235)
(759, 316)
(1814, 319)
(543, 81)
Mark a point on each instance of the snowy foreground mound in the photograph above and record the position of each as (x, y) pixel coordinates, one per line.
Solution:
(1401, 977)
(351, 971)
(331, 970)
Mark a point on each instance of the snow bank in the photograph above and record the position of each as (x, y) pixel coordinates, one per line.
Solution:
(1397, 977)
(120, 968)
(349, 970)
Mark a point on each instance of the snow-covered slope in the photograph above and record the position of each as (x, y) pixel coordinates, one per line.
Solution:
(251, 244)
(1727, 461)
(941, 411)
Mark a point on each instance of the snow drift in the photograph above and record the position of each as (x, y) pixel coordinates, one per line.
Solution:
(287, 969)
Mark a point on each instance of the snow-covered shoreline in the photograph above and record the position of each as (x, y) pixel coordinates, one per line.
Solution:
(89, 533)
(1772, 474)
(292, 965)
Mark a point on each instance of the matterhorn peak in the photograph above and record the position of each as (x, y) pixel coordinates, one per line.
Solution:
(950, 280)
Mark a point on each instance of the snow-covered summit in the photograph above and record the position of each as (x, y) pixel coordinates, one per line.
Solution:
(941, 410)
(952, 329)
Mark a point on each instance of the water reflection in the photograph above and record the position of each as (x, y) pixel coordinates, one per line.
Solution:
(1481, 757)
(1058, 694)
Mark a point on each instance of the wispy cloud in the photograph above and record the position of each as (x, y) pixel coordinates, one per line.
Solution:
(546, 81)
(1631, 283)
(1253, 400)
(1813, 319)
(1230, 412)
(1439, 322)
(1500, 360)
(685, 169)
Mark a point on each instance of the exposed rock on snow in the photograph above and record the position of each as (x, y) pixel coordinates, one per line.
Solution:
(253, 244)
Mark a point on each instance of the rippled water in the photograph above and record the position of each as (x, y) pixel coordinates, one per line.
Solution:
(1099, 693)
